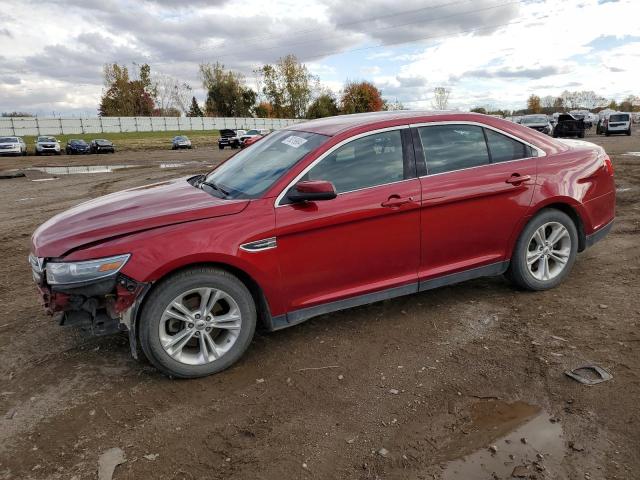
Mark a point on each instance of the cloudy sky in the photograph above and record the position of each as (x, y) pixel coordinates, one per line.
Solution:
(487, 52)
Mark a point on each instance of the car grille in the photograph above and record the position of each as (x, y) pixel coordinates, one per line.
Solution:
(6, 147)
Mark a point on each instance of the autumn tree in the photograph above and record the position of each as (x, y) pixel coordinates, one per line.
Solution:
(360, 97)
(630, 104)
(194, 110)
(440, 98)
(325, 105)
(227, 94)
(124, 96)
(264, 110)
(533, 104)
(288, 86)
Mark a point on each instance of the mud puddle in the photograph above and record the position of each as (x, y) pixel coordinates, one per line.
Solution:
(80, 169)
(509, 440)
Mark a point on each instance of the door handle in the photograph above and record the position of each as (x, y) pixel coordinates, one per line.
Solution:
(394, 201)
(517, 179)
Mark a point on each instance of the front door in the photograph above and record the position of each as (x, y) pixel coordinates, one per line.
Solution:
(365, 240)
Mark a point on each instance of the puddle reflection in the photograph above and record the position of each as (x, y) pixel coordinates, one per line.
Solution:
(527, 444)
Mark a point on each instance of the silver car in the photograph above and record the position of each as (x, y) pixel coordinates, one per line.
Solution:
(12, 146)
(180, 141)
(46, 144)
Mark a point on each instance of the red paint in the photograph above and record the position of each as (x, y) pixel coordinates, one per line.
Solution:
(359, 242)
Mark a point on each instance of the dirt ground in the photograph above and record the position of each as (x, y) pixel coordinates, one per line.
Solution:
(464, 382)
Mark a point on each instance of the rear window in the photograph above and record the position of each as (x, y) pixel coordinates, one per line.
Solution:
(620, 117)
(504, 149)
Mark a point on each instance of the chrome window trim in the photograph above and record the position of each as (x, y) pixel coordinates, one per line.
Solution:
(331, 150)
(541, 153)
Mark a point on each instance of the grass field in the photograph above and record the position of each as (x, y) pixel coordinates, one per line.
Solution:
(137, 140)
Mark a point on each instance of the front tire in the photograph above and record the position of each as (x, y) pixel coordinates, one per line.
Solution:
(545, 251)
(197, 322)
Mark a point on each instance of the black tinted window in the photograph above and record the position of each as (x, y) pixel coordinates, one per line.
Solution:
(504, 148)
(453, 147)
(366, 162)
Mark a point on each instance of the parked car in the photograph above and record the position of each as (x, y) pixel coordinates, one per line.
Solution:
(228, 138)
(12, 146)
(537, 122)
(100, 145)
(322, 216)
(45, 145)
(618, 122)
(568, 126)
(249, 134)
(251, 141)
(77, 146)
(180, 141)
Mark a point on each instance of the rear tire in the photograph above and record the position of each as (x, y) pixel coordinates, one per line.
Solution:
(545, 251)
(629, 132)
(160, 323)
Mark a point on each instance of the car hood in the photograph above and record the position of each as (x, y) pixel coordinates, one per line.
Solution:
(126, 212)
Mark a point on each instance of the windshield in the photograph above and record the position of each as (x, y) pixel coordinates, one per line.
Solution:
(8, 140)
(46, 139)
(103, 142)
(537, 119)
(253, 132)
(251, 172)
(619, 118)
(178, 139)
(77, 142)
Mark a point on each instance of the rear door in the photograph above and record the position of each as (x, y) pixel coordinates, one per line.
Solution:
(477, 186)
(365, 240)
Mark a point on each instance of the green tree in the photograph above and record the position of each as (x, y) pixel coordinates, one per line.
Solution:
(360, 97)
(479, 110)
(227, 94)
(195, 110)
(287, 86)
(126, 97)
(325, 105)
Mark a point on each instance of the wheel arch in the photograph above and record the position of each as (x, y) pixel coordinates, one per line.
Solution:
(262, 305)
(568, 207)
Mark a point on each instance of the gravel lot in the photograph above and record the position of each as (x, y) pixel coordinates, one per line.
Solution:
(442, 384)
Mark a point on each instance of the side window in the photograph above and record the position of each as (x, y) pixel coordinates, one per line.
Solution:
(453, 147)
(503, 148)
(366, 162)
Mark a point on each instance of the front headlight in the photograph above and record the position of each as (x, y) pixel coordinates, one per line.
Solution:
(64, 273)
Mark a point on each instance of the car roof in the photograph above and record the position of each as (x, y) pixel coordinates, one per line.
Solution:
(333, 125)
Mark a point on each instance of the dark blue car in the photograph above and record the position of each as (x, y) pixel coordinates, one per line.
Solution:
(77, 146)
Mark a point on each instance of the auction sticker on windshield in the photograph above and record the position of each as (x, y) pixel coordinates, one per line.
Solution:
(294, 141)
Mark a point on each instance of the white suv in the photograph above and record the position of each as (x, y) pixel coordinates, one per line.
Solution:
(12, 146)
(618, 122)
(46, 144)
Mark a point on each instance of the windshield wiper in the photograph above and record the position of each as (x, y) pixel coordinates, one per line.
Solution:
(214, 186)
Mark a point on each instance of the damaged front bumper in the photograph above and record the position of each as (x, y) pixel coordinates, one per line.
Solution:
(101, 307)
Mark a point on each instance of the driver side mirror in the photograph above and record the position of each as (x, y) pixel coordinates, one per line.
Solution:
(312, 191)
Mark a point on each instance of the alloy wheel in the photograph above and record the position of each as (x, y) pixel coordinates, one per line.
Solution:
(548, 251)
(200, 326)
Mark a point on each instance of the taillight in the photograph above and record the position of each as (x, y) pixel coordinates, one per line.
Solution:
(608, 165)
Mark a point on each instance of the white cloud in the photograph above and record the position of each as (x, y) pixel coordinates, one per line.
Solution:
(542, 46)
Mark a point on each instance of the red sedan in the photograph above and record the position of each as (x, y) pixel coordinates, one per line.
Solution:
(323, 216)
